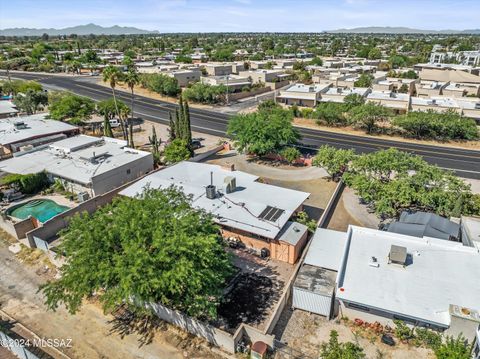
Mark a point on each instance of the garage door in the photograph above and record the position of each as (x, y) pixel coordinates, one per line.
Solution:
(312, 302)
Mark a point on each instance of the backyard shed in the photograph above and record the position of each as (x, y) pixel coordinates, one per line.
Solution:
(314, 286)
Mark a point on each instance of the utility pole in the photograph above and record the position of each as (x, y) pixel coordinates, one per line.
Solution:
(227, 90)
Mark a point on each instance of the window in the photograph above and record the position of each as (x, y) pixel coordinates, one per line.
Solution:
(128, 171)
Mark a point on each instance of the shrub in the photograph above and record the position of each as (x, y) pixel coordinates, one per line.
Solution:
(290, 154)
(204, 93)
(28, 184)
(160, 83)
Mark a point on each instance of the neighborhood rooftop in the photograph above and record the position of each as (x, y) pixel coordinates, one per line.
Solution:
(253, 207)
(77, 158)
(437, 274)
(18, 129)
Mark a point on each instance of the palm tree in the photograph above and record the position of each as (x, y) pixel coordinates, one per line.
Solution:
(113, 75)
(131, 79)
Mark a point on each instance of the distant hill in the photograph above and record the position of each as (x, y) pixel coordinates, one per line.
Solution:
(400, 30)
(79, 30)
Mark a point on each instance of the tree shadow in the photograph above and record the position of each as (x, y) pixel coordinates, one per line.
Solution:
(126, 322)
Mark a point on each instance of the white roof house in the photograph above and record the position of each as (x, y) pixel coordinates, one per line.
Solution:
(394, 100)
(337, 94)
(246, 208)
(100, 164)
(26, 128)
(436, 275)
(7, 109)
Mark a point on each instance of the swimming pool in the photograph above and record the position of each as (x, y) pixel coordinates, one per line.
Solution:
(41, 209)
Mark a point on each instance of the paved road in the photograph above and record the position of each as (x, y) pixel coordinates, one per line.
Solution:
(465, 163)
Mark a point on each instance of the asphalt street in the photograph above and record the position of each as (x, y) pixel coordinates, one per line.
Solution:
(465, 163)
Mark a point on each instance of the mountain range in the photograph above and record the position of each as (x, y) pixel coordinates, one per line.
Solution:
(401, 30)
(79, 30)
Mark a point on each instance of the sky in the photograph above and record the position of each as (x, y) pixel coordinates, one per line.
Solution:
(242, 15)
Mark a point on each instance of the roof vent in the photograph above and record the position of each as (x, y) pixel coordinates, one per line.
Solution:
(398, 255)
(210, 189)
(20, 125)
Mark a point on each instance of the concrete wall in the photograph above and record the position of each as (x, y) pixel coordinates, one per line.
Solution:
(17, 229)
(254, 92)
(107, 181)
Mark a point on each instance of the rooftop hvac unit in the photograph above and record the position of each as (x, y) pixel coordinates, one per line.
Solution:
(397, 255)
(19, 125)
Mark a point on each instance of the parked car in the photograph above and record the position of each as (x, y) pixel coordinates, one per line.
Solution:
(196, 144)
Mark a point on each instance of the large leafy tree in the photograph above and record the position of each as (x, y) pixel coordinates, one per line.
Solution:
(263, 132)
(154, 248)
(368, 116)
(67, 106)
(176, 151)
(393, 181)
(31, 101)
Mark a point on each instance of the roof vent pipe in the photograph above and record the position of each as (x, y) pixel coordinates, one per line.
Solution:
(210, 189)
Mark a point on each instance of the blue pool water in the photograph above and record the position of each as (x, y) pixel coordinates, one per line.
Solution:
(41, 209)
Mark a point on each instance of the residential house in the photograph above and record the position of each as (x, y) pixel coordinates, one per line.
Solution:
(337, 94)
(302, 95)
(398, 102)
(26, 132)
(185, 77)
(430, 88)
(426, 282)
(215, 69)
(272, 78)
(234, 83)
(83, 163)
(436, 103)
(7, 109)
(256, 214)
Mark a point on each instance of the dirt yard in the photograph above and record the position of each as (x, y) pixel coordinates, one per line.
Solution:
(306, 332)
(92, 333)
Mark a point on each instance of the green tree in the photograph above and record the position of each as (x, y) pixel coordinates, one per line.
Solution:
(335, 350)
(108, 108)
(368, 116)
(131, 79)
(176, 151)
(31, 101)
(263, 132)
(155, 144)
(365, 80)
(316, 61)
(334, 161)
(374, 54)
(67, 106)
(154, 248)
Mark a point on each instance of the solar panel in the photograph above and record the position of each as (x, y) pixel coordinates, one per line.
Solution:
(271, 214)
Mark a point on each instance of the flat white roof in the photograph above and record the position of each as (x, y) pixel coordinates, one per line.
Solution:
(388, 95)
(240, 209)
(438, 273)
(76, 162)
(35, 126)
(302, 88)
(326, 249)
(7, 108)
(434, 101)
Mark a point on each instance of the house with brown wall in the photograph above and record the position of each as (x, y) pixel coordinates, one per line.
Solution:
(254, 214)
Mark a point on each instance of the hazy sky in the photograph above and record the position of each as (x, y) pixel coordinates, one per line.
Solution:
(242, 15)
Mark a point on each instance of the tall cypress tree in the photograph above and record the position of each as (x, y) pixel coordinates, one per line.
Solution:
(171, 131)
(187, 127)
